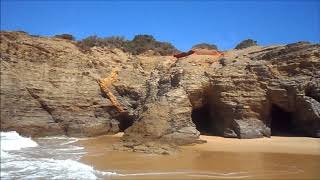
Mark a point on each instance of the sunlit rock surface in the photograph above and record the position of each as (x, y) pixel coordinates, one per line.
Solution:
(49, 87)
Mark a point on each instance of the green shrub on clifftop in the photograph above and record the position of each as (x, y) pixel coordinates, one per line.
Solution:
(205, 46)
(111, 42)
(143, 43)
(65, 36)
(246, 43)
(139, 44)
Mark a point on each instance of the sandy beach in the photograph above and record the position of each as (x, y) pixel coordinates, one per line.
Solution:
(219, 158)
(276, 144)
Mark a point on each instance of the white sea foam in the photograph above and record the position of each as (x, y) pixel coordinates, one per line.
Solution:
(71, 148)
(13, 141)
(48, 168)
(57, 137)
(70, 142)
(52, 158)
(4, 155)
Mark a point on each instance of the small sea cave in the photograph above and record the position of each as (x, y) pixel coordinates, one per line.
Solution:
(281, 122)
(125, 122)
(202, 119)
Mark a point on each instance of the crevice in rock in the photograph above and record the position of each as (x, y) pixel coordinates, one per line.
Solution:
(49, 110)
(281, 122)
(36, 46)
(43, 105)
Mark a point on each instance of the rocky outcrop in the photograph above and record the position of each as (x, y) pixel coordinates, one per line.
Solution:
(49, 87)
(211, 52)
(183, 54)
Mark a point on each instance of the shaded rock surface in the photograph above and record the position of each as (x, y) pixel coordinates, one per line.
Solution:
(49, 87)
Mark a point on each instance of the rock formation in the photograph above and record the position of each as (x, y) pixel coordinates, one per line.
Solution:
(184, 54)
(50, 87)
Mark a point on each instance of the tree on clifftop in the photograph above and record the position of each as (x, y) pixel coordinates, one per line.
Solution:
(143, 43)
(111, 42)
(65, 36)
(139, 44)
(205, 46)
(246, 43)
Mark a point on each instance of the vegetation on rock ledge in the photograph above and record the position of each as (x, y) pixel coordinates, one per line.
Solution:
(205, 46)
(139, 44)
(65, 36)
(246, 43)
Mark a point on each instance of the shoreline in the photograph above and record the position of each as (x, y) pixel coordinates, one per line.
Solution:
(274, 144)
(219, 158)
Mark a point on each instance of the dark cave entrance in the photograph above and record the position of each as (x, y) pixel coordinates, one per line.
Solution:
(125, 121)
(281, 122)
(124, 124)
(202, 119)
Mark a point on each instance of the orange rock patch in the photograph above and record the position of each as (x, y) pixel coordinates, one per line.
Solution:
(105, 83)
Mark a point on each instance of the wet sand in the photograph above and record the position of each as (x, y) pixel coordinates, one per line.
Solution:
(219, 158)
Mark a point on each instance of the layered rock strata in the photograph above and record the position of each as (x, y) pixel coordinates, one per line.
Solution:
(49, 87)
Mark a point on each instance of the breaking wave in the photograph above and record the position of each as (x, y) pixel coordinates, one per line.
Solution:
(13, 141)
(48, 158)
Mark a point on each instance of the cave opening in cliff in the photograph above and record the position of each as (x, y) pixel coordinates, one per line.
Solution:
(203, 121)
(281, 122)
(124, 123)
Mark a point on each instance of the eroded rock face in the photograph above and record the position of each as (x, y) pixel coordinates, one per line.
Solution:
(49, 87)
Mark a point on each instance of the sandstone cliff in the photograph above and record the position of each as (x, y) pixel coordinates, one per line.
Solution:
(49, 87)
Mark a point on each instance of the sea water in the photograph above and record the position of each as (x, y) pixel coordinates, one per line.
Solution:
(45, 158)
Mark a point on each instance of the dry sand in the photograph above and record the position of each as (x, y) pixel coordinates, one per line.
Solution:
(276, 144)
(219, 158)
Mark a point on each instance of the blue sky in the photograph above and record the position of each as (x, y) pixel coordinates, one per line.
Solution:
(183, 23)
